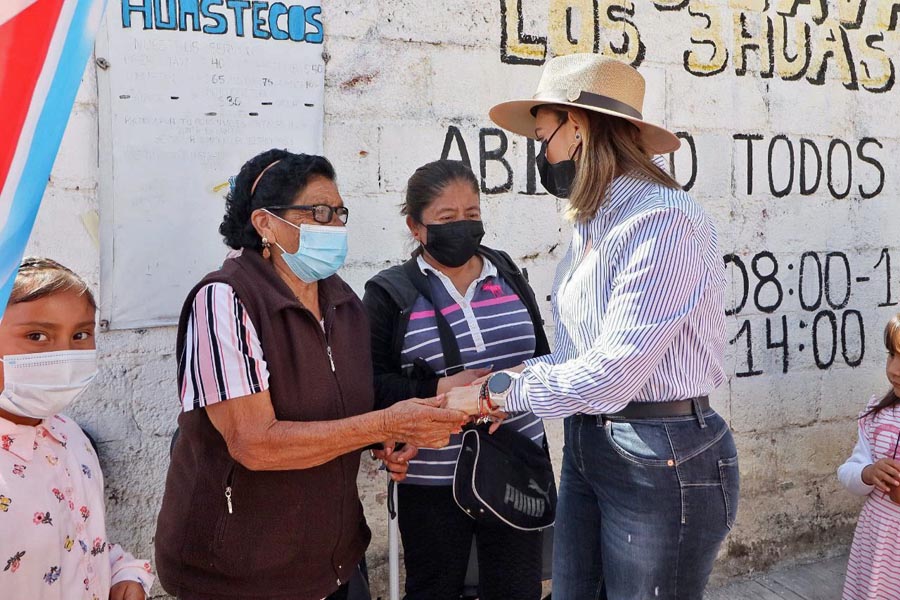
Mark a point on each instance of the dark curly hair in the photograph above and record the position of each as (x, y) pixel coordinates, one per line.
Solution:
(277, 187)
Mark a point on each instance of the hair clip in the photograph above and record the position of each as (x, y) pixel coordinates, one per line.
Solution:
(221, 186)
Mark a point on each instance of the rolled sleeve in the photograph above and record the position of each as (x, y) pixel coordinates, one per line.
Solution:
(223, 355)
(125, 567)
(546, 359)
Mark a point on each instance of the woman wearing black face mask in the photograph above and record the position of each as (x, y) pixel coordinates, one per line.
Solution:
(495, 320)
(639, 309)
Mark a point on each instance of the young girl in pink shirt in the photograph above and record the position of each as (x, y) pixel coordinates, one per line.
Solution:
(53, 543)
(873, 470)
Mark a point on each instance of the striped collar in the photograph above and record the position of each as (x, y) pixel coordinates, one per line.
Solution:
(625, 186)
(622, 189)
(487, 268)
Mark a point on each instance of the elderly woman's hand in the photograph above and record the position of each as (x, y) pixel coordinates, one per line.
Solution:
(396, 461)
(422, 423)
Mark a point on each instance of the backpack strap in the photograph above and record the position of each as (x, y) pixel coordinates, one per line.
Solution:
(518, 281)
(450, 347)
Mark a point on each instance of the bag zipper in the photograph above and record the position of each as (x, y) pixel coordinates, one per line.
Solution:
(326, 334)
(330, 356)
(229, 495)
(229, 487)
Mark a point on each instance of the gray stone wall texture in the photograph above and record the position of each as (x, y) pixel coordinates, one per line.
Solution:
(789, 116)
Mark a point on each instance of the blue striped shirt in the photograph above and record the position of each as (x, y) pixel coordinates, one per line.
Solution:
(639, 307)
(493, 329)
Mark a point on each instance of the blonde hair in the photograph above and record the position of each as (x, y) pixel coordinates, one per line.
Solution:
(610, 147)
(892, 335)
(41, 277)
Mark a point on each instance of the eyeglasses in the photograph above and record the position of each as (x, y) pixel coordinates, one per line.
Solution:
(322, 213)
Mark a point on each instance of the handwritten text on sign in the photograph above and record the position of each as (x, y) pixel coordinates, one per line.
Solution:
(823, 285)
(790, 39)
(261, 20)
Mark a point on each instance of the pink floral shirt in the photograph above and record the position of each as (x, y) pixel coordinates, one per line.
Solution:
(53, 542)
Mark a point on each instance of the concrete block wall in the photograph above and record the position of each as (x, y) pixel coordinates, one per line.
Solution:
(404, 77)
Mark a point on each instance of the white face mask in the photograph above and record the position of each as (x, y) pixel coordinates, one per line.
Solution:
(43, 384)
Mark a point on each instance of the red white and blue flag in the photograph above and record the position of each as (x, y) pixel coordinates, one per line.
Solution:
(44, 47)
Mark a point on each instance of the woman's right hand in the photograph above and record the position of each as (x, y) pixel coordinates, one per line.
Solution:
(884, 474)
(464, 377)
(423, 423)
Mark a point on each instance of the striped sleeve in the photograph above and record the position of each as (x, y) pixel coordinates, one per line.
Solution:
(658, 282)
(562, 344)
(222, 354)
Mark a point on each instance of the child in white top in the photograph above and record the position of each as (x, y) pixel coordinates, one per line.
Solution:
(53, 543)
(873, 470)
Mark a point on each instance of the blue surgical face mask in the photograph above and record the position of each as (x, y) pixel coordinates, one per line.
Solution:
(321, 252)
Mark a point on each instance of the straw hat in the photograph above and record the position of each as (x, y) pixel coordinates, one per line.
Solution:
(591, 82)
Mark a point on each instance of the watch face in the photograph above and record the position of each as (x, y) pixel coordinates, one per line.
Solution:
(499, 383)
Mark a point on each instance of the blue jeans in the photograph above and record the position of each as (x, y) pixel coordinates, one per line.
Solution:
(643, 506)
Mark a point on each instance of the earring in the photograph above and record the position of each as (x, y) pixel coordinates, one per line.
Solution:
(577, 136)
(266, 253)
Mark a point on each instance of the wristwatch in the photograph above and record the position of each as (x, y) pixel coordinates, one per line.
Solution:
(498, 385)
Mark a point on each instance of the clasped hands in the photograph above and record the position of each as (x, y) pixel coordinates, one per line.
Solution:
(465, 391)
(458, 399)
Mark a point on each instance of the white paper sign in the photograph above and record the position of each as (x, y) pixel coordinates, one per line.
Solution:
(189, 91)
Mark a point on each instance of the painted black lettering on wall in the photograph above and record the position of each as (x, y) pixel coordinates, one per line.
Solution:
(810, 309)
(494, 169)
(792, 167)
(794, 40)
(804, 166)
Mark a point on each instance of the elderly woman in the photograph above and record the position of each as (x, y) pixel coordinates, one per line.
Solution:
(275, 378)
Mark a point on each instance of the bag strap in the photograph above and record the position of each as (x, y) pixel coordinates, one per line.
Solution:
(518, 280)
(450, 347)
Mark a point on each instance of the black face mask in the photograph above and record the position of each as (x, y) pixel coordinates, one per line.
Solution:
(557, 178)
(453, 244)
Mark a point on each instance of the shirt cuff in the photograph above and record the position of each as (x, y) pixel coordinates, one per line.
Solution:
(125, 567)
(517, 399)
(854, 481)
(136, 574)
(546, 359)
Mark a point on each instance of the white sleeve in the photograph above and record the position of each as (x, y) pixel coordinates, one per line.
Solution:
(125, 567)
(850, 473)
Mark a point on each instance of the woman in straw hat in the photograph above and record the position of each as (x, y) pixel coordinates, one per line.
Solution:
(649, 479)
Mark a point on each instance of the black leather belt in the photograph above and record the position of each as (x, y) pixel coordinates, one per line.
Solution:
(657, 410)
